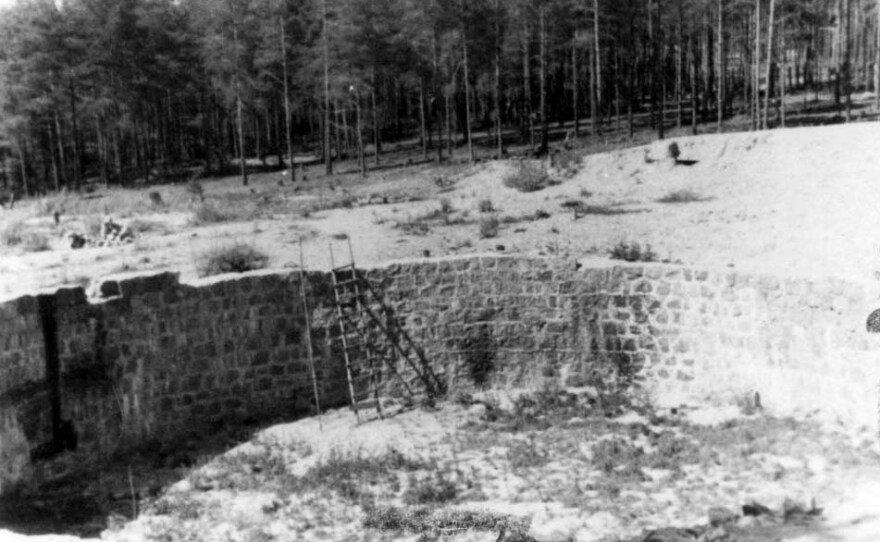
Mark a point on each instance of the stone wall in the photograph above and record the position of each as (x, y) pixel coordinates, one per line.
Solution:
(151, 358)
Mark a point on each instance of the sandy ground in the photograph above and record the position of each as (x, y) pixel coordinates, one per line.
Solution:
(205, 508)
(798, 202)
(795, 202)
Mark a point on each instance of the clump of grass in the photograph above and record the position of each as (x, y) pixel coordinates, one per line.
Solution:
(12, 234)
(234, 258)
(489, 227)
(526, 454)
(528, 177)
(436, 488)
(417, 226)
(35, 242)
(427, 520)
(209, 214)
(632, 252)
(16, 234)
(195, 190)
(681, 196)
(486, 206)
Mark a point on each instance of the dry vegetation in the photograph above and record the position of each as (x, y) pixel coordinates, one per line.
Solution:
(547, 465)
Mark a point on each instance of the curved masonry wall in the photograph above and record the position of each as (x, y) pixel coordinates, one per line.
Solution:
(154, 359)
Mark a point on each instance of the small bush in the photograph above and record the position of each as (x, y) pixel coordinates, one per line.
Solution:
(489, 227)
(615, 453)
(426, 520)
(445, 206)
(672, 151)
(525, 455)
(35, 242)
(12, 235)
(156, 199)
(486, 206)
(429, 489)
(681, 196)
(414, 227)
(209, 214)
(16, 235)
(235, 258)
(195, 190)
(632, 252)
(528, 177)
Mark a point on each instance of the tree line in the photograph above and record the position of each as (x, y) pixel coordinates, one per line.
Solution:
(118, 91)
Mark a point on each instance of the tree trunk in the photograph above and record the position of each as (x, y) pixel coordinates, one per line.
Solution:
(77, 161)
(574, 86)
(467, 100)
(328, 154)
(527, 88)
(239, 113)
(720, 79)
(769, 64)
(497, 105)
(877, 60)
(423, 124)
(377, 142)
(287, 134)
(661, 73)
(597, 57)
(847, 68)
(757, 89)
(782, 65)
(542, 80)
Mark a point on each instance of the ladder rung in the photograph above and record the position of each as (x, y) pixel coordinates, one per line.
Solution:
(365, 404)
(349, 267)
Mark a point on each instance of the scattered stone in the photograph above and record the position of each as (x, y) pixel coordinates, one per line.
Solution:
(76, 240)
(719, 516)
(671, 534)
(717, 534)
(755, 508)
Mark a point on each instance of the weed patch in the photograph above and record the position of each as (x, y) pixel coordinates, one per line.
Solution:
(489, 227)
(446, 522)
(632, 252)
(235, 258)
(16, 235)
(486, 206)
(682, 196)
(436, 488)
(528, 177)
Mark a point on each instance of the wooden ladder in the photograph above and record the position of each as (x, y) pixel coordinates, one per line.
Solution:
(363, 358)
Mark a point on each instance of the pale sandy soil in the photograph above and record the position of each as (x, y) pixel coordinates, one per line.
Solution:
(798, 202)
(559, 494)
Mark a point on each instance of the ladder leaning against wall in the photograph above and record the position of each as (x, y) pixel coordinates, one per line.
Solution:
(366, 326)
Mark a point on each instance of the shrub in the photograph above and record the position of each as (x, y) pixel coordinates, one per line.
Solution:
(528, 177)
(156, 199)
(235, 258)
(414, 227)
(195, 190)
(425, 520)
(632, 252)
(429, 489)
(489, 227)
(35, 242)
(209, 214)
(486, 206)
(13, 234)
(445, 206)
(681, 196)
(526, 454)
(672, 151)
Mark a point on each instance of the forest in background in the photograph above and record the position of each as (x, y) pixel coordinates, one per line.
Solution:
(131, 91)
